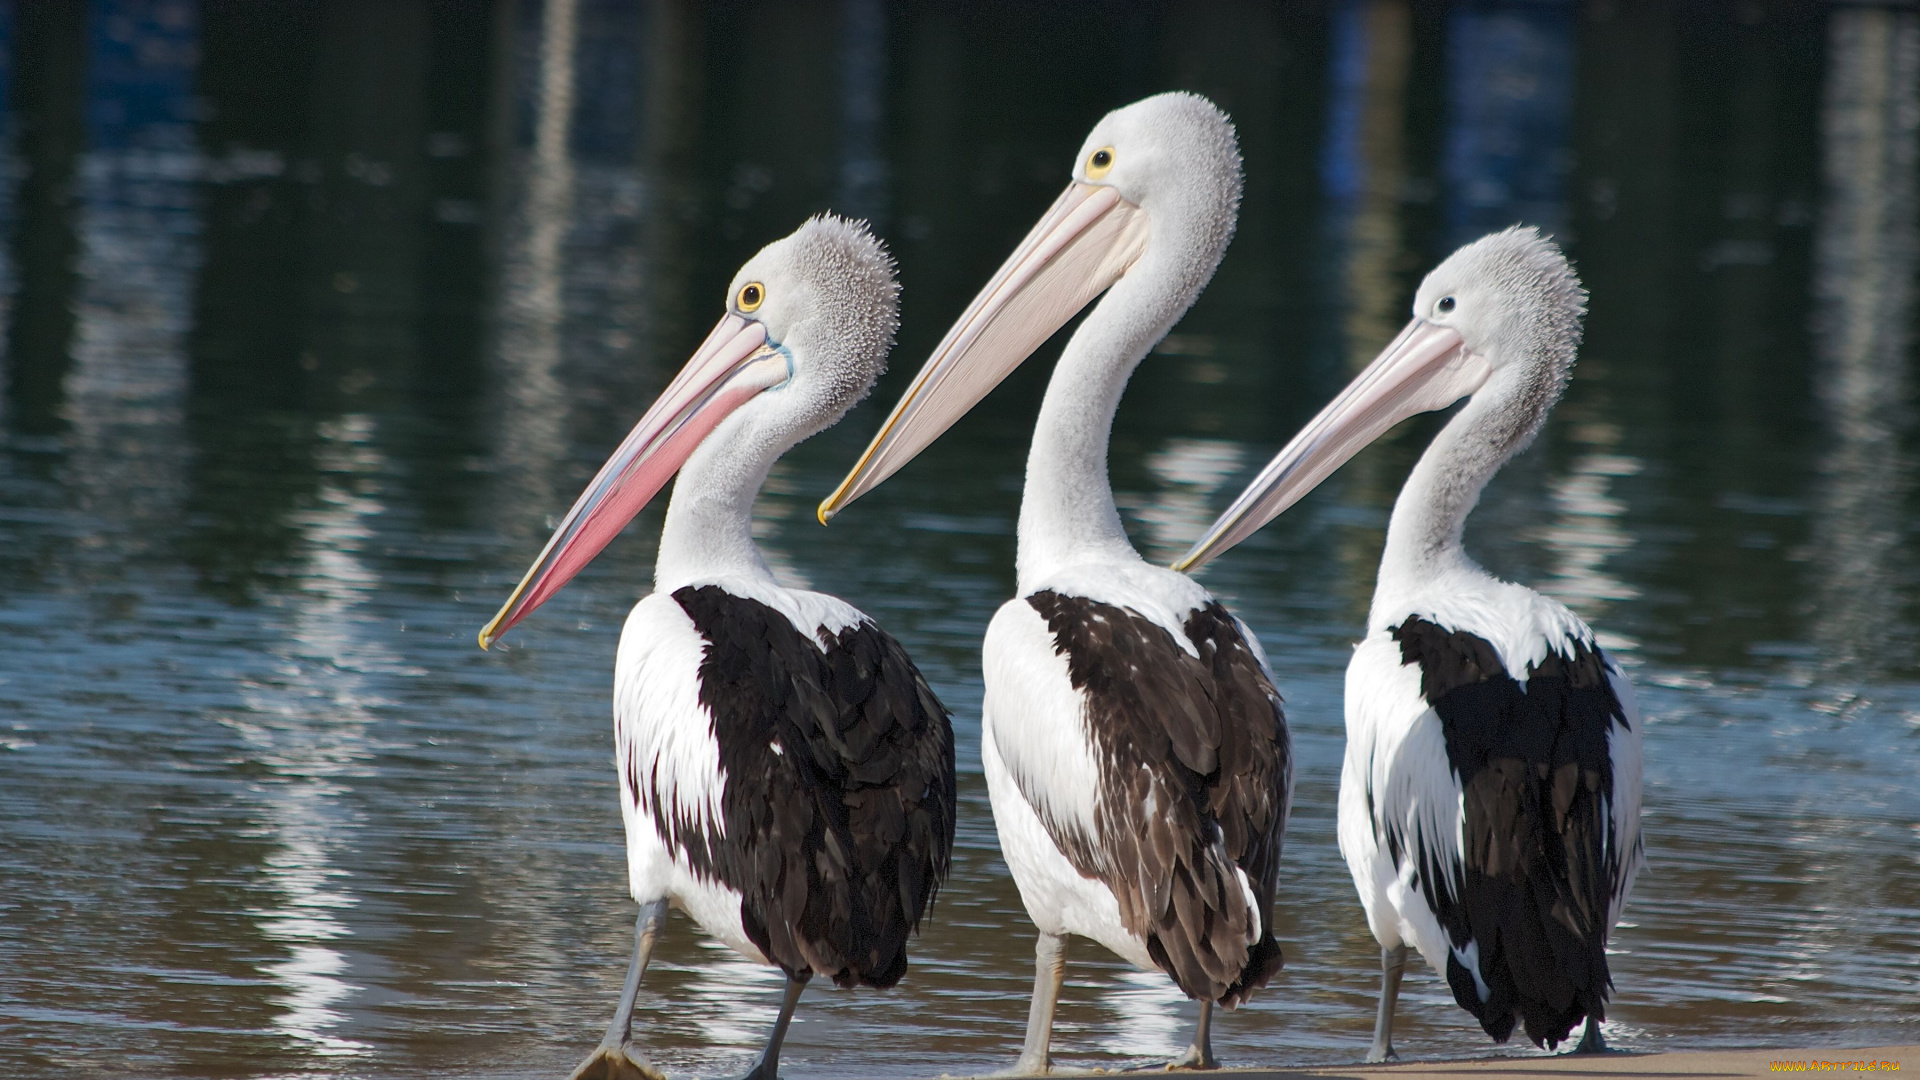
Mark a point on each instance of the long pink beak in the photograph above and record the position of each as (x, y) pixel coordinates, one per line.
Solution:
(1427, 367)
(731, 366)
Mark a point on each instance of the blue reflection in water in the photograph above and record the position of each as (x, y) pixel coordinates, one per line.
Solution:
(1363, 167)
(140, 67)
(863, 83)
(1510, 71)
(1342, 170)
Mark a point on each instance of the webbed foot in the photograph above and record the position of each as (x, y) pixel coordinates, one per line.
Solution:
(611, 1062)
(1196, 1057)
(1199, 1055)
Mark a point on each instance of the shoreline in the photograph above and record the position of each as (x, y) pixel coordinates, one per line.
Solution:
(1853, 1061)
(1679, 1063)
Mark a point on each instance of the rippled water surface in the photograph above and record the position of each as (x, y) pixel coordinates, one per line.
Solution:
(316, 315)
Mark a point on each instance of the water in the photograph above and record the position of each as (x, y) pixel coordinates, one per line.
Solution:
(314, 319)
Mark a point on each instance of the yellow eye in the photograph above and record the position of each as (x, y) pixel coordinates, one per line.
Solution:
(1100, 163)
(752, 295)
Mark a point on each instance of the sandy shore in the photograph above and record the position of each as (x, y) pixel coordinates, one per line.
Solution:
(1687, 1064)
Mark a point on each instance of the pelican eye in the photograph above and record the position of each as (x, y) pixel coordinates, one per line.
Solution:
(1445, 305)
(752, 295)
(1100, 163)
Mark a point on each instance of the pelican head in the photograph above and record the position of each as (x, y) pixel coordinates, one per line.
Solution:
(1502, 313)
(1175, 158)
(808, 323)
(1513, 299)
(1153, 198)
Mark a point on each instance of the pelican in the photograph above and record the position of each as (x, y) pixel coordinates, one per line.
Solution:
(786, 774)
(1136, 755)
(1490, 799)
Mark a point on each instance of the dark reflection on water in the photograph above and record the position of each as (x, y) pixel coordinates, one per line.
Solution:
(317, 313)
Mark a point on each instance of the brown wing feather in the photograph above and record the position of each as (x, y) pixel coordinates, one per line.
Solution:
(1195, 774)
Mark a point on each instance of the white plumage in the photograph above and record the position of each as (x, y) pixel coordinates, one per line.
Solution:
(1030, 696)
(662, 732)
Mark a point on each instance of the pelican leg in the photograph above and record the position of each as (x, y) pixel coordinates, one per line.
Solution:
(614, 1058)
(1049, 970)
(1200, 1054)
(767, 1067)
(1591, 1042)
(1393, 964)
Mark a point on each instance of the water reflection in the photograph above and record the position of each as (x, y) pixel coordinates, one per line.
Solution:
(1510, 81)
(1365, 166)
(1365, 171)
(310, 728)
(730, 1001)
(127, 387)
(304, 830)
(863, 185)
(1589, 527)
(669, 164)
(46, 98)
(532, 401)
(1148, 1016)
(1192, 475)
(1867, 252)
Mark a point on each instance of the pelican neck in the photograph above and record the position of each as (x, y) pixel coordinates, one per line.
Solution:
(1425, 542)
(708, 532)
(1067, 513)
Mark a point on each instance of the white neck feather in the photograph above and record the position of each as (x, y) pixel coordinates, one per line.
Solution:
(1425, 553)
(709, 528)
(1067, 515)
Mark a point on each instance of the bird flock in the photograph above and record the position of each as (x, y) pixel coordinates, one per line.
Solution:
(787, 775)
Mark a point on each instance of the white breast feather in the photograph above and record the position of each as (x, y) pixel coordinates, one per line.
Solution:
(1624, 747)
(1038, 718)
(658, 721)
(1397, 741)
(1401, 747)
(658, 718)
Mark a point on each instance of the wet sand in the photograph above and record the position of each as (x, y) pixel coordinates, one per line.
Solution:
(1689, 1063)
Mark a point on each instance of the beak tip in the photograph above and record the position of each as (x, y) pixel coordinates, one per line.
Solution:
(825, 511)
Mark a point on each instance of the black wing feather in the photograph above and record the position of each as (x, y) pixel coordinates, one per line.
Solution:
(1539, 857)
(839, 795)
